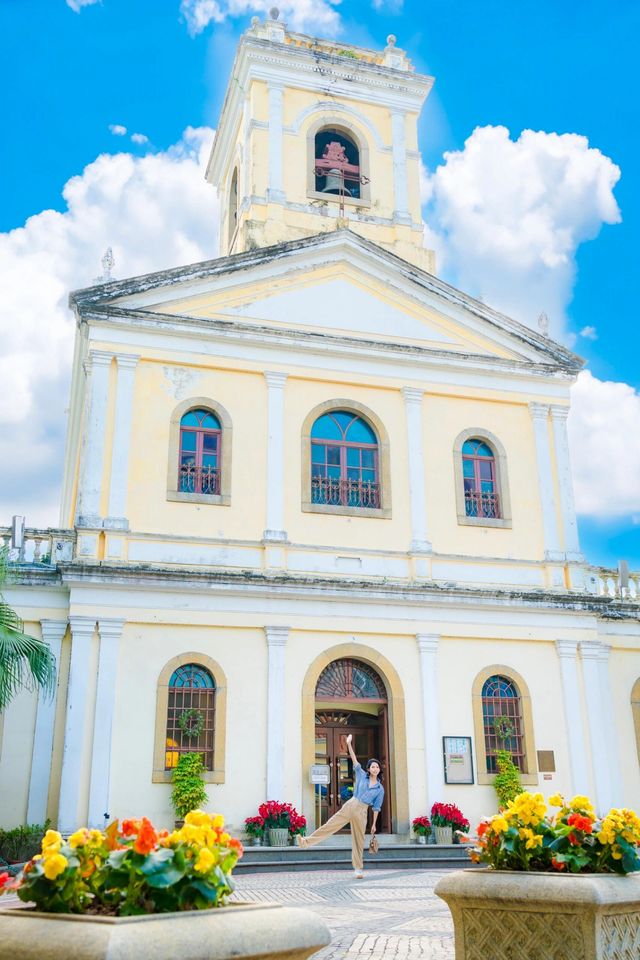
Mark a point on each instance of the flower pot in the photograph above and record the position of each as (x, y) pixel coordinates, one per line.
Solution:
(256, 841)
(239, 930)
(444, 834)
(552, 916)
(421, 839)
(278, 837)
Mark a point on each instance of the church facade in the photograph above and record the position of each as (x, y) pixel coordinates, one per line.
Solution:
(311, 489)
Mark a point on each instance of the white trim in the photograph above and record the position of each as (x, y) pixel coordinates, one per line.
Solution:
(109, 631)
(52, 633)
(613, 753)
(92, 457)
(567, 655)
(275, 192)
(121, 442)
(540, 418)
(417, 495)
(590, 654)
(565, 483)
(70, 812)
(331, 106)
(401, 209)
(276, 638)
(428, 649)
(274, 529)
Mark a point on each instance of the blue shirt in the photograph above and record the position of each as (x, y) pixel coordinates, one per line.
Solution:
(372, 796)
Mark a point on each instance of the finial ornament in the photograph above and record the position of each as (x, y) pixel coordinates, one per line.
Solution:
(108, 263)
(274, 13)
(543, 324)
(392, 40)
(255, 22)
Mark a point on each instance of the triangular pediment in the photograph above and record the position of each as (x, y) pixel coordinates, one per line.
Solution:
(339, 285)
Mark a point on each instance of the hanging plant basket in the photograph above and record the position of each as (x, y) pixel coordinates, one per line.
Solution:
(191, 722)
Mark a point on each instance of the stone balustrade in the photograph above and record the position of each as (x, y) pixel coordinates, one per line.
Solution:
(604, 582)
(45, 547)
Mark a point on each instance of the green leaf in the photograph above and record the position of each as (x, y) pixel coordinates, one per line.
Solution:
(165, 877)
(116, 857)
(208, 890)
(154, 862)
(630, 861)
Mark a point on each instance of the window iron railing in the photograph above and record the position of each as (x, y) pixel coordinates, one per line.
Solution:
(345, 493)
(194, 479)
(485, 505)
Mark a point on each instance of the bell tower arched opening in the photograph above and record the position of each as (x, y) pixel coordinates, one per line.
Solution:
(337, 164)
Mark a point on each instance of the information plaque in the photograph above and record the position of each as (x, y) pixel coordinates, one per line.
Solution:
(320, 773)
(458, 760)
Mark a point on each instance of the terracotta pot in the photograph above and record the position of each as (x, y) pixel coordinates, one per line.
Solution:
(443, 834)
(265, 931)
(549, 916)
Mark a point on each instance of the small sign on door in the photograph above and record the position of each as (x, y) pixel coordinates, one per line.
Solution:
(319, 773)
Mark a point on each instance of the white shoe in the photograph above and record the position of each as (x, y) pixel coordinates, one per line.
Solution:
(358, 874)
(301, 841)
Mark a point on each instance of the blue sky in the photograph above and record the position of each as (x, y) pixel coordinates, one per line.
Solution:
(557, 67)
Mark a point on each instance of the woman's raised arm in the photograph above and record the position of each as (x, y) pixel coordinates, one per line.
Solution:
(350, 748)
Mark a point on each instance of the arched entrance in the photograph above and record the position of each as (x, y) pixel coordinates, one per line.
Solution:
(350, 698)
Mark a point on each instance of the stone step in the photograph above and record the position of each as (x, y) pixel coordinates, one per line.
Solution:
(337, 856)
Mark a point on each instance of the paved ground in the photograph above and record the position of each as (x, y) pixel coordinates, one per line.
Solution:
(390, 915)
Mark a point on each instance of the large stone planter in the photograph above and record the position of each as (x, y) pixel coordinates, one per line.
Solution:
(542, 916)
(241, 931)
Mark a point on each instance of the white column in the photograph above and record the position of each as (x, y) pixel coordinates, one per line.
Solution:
(401, 211)
(567, 653)
(613, 754)
(413, 412)
(590, 653)
(539, 415)
(52, 633)
(92, 463)
(428, 647)
(275, 456)
(69, 812)
(565, 482)
(110, 632)
(275, 192)
(276, 641)
(117, 519)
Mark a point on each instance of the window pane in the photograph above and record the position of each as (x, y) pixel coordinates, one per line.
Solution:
(208, 420)
(317, 470)
(368, 458)
(486, 469)
(333, 472)
(210, 443)
(483, 450)
(326, 428)
(318, 453)
(486, 486)
(469, 447)
(353, 473)
(188, 440)
(187, 460)
(360, 432)
(369, 476)
(467, 467)
(333, 455)
(191, 419)
(353, 457)
(210, 460)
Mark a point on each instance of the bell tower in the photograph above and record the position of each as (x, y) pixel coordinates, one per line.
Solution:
(314, 135)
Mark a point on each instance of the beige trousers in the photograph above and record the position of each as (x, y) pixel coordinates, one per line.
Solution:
(353, 812)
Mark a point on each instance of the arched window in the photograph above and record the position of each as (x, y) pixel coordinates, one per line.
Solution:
(190, 715)
(502, 721)
(344, 461)
(337, 164)
(200, 453)
(481, 498)
(350, 679)
(233, 208)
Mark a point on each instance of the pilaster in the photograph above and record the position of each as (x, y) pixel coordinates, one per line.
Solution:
(540, 417)
(109, 632)
(52, 633)
(92, 460)
(417, 497)
(613, 753)
(117, 519)
(276, 638)
(274, 532)
(428, 648)
(598, 728)
(70, 813)
(401, 212)
(567, 651)
(565, 483)
(275, 191)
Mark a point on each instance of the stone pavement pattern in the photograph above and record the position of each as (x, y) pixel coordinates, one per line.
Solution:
(390, 915)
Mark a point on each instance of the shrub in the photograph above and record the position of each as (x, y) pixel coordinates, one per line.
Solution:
(188, 786)
(507, 783)
(22, 843)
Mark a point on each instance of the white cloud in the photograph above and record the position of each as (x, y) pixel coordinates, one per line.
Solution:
(589, 333)
(512, 214)
(604, 429)
(139, 138)
(315, 15)
(117, 129)
(155, 211)
(76, 5)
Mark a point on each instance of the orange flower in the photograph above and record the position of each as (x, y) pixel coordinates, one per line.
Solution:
(483, 826)
(580, 823)
(130, 827)
(147, 837)
(557, 865)
(236, 845)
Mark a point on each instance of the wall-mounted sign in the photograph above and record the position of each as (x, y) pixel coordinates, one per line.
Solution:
(458, 760)
(319, 773)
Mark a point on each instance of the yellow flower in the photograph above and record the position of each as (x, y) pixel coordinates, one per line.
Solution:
(205, 861)
(78, 839)
(96, 836)
(225, 837)
(556, 800)
(534, 841)
(198, 818)
(217, 822)
(51, 842)
(54, 865)
(499, 825)
(581, 804)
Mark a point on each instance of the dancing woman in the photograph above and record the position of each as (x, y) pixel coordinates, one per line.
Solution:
(367, 792)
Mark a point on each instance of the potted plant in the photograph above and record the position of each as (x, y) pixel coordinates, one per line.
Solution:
(507, 783)
(421, 826)
(445, 818)
(188, 785)
(134, 891)
(22, 843)
(554, 883)
(281, 822)
(254, 828)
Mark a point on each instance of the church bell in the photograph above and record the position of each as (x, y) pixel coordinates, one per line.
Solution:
(335, 184)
